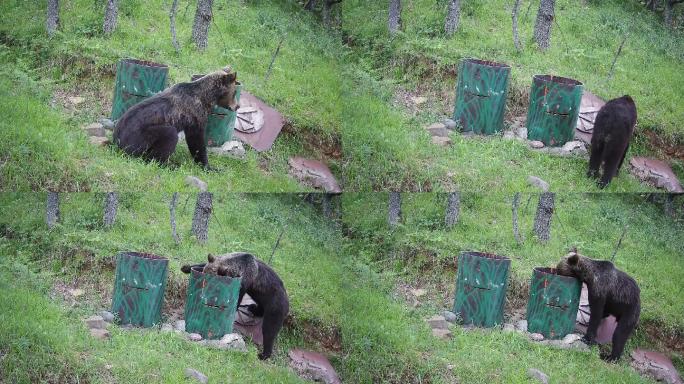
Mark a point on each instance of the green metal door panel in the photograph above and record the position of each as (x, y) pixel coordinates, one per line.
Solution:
(554, 300)
(211, 304)
(554, 109)
(481, 288)
(139, 288)
(481, 95)
(136, 80)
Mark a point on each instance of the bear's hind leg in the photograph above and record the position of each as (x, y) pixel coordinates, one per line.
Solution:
(611, 158)
(272, 322)
(622, 332)
(595, 159)
(162, 143)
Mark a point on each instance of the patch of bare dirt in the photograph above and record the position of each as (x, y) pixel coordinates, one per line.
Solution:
(313, 332)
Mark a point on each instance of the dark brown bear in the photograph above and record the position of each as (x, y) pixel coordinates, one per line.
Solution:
(150, 128)
(261, 283)
(613, 129)
(611, 292)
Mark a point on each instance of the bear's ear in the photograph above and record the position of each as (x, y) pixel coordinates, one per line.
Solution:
(573, 259)
(232, 77)
(211, 258)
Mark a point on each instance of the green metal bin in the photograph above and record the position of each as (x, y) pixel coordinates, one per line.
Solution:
(139, 288)
(554, 109)
(481, 288)
(136, 80)
(211, 304)
(481, 95)
(554, 300)
(221, 121)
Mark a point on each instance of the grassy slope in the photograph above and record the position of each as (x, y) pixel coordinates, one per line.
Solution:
(80, 61)
(422, 60)
(331, 290)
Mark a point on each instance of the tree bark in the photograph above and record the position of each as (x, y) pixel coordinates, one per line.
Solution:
(310, 5)
(394, 20)
(394, 211)
(452, 17)
(542, 221)
(453, 209)
(52, 23)
(172, 22)
(111, 13)
(200, 222)
(200, 29)
(111, 206)
(516, 229)
(514, 16)
(542, 27)
(52, 211)
(172, 212)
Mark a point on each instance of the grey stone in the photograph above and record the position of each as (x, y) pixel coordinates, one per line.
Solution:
(508, 327)
(107, 124)
(95, 322)
(194, 337)
(179, 326)
(536, 144)
(419, 292)
(449, 124)
(521, 133)
(166, 327)
(196, 182)
(418, 100)
(181, 136)
(572, 146)
(192, 373)
(438, 129)
(107, 316)
(449, 316)
(509, 135)
(441, 141)
(95, 129)
(233, 149)
(233, 341)
(521, 325)
(98, 141)
(571, 338)
(534, 373)
(441, 333)
(101, 334)
(536, 336)
(538, 182)
(437, 322)
(76, 100)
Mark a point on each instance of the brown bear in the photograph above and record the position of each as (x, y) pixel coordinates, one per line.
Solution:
(611, 292)
(261, 283)
(150, 128)
(613, 129)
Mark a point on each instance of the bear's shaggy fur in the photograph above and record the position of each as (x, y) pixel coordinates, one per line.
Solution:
(611, 292)
(261, 283)
(150, 128)
(613, 129)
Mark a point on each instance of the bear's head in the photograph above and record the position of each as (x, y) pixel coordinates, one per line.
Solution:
(228, 85)
(236, 264)
(570, 265)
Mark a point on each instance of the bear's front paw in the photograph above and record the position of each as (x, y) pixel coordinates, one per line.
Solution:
(609, 358)
(264, 356)
(588, 340)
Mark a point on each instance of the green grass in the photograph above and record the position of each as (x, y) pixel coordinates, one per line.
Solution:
(386, 142)
(80, 61)
(343, 290)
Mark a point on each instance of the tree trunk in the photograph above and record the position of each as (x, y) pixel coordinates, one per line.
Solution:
(310, 5)
(516, 38)
(200, 28)
(200, 222)
(172, 211)
(542, 27)
(394, 211)
(453, 13)
(111, 205)
(542, 221)
(172, 22)
(453, 208)
(516, 229)
(394, 21)
(111, 13)
(52, 23)
(52, 211)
